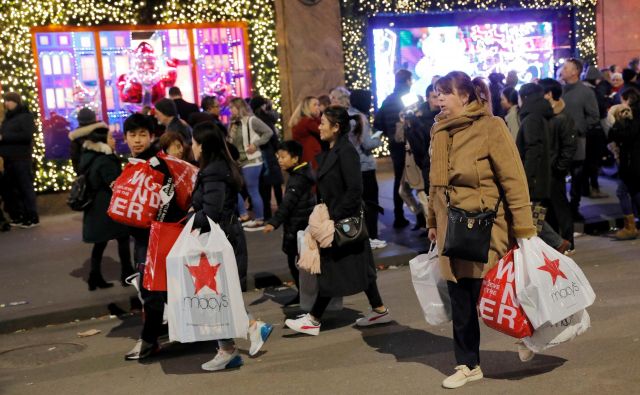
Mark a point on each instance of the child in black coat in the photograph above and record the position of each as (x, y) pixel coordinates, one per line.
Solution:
(297, 204)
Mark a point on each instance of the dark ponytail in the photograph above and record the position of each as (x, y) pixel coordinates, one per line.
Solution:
(338, 115)
(214, 146)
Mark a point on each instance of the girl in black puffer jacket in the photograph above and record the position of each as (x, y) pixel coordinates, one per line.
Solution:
(216, 196)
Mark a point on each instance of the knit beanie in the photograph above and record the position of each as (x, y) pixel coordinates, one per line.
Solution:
(593, 74)
(14, 97)
(167, 107)
(98, 135)
(86, 116)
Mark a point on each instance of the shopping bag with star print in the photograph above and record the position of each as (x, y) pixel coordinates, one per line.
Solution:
(549, 285)
(204, 299)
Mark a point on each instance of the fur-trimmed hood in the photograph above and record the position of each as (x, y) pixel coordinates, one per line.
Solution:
(86, 130)
(101, 148)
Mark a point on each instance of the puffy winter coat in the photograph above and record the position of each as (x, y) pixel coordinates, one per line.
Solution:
(17, 134)
(296, 207)
(533, 144)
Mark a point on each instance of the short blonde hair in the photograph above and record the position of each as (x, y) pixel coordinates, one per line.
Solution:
(341, 95)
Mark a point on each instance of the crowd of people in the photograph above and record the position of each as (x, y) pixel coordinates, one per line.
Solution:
(468, 144)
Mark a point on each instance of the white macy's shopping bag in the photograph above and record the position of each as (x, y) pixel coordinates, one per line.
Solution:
(431, 289)
(550, 286)
(204, 296)
(548, 335)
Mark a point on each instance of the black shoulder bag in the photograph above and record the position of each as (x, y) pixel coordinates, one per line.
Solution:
(350, 230)
(468, 233)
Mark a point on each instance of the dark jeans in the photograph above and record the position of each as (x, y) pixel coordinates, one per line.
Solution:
(371, 204)
(398, 153)
(321, 303)
(124, 252)
(466, 330)
(578, 183)
(295, 273)
(17, 190)
(559, 210)
(629, 203)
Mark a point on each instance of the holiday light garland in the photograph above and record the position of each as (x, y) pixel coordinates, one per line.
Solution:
(355, 14)
(18, 68)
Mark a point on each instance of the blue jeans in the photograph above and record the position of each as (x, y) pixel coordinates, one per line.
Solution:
(252, 181)
(626, 200)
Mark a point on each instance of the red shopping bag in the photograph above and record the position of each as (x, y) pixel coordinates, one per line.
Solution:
(162, 237)
(136, 195)
(498, 304)
(184, 176)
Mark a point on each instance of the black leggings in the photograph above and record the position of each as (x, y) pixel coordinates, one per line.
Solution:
(321, 303)
(124, 252)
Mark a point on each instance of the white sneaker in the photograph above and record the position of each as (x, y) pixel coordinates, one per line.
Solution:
(462, 376)
(223, 360)
(304, 324)
(253, 226)
(374, 318)
(524, 353)
(258, 334)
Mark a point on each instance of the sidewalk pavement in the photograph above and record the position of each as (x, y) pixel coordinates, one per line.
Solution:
(47, 267)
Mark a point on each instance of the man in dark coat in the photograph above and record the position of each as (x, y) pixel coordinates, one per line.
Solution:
(297, 204)
(563, 148)
(386, 119)
(210, 113)
(582, 106)
(16, 144)
(533, 140)
(185, 109)
(167, 114)
(534, 147)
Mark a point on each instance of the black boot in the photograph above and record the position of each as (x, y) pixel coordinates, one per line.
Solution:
(96, 281)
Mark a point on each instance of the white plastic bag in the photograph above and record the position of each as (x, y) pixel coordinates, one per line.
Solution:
(430, 287)
(309, 285)
(566, 330)
(204, 296)
(550, 286)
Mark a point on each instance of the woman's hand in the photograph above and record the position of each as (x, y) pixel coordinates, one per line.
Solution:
(268, 228)
(433, 234)
(251, 149)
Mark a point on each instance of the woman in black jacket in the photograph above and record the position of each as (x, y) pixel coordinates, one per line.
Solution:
(625, 133)
(101, 168)
(216, 196)
(349, 269)
(16, 148)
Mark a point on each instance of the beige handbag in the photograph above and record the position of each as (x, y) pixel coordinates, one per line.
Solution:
(412, 174)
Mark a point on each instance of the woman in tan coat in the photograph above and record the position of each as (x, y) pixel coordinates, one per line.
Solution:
(474, 157)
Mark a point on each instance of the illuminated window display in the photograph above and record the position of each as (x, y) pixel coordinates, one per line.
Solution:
(116, 71)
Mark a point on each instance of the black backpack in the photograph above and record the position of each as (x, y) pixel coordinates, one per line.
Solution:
(81, 195)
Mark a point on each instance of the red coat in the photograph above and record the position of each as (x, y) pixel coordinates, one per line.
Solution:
(307, 133)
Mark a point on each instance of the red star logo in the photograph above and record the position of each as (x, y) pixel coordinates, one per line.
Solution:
(553, 267)
(204, 275)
